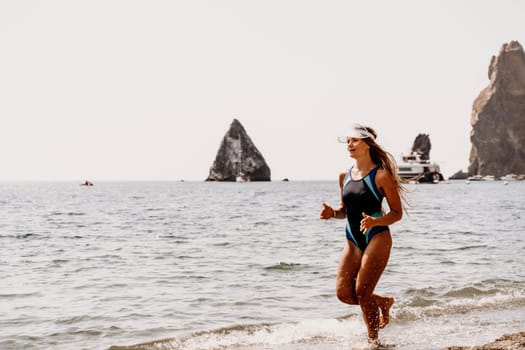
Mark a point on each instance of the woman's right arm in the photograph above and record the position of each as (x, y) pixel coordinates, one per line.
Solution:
(327, 212)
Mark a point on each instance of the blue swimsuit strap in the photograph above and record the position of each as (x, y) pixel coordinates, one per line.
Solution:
(348, 177)
(370, 181)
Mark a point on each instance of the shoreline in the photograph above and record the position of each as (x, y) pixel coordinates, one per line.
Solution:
(510, 341)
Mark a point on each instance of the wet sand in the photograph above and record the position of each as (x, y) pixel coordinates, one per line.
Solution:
(514, 341)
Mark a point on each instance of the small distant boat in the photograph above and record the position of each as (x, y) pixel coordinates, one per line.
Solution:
(481, 178)
(509, 177)
(476, 178)
(413, 169)
(242, 178)
(87, 183)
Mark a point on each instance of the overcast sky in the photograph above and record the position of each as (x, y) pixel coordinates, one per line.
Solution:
(146, 90)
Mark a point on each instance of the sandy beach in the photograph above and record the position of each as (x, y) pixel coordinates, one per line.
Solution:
(512, 341)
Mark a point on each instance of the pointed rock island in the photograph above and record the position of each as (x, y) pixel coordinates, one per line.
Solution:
(238, 159)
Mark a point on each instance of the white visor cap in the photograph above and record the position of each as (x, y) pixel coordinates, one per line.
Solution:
(356, 132)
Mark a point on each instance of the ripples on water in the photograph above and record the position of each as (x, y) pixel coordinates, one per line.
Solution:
(206, 265)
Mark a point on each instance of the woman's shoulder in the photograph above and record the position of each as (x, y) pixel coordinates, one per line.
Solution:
(344, 173)
(342, 176)
(382, 176)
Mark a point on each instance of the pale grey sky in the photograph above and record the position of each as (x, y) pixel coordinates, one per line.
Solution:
(145, 90)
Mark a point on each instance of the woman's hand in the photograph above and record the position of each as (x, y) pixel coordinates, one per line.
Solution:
(327, 212)
(367, 223)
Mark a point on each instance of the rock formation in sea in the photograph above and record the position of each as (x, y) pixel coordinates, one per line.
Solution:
(238, 159)
(422, 146)
(498, 117)
(459, 175)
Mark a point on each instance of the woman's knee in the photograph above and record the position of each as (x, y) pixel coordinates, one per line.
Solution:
(346, 295)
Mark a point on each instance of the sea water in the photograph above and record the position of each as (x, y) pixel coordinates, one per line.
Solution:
(196, 265)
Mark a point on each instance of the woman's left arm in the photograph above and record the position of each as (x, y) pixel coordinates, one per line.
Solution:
(388, 188)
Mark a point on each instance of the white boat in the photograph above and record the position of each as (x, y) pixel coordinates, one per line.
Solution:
(509, 177)
(242, 178)
(476, 178)
(412, 168)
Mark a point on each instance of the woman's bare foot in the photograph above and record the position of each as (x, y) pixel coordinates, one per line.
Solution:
(374, 343)
(384, 306)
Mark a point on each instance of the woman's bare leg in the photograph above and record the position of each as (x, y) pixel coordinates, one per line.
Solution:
(348, 268)
(373, 263)
(349, 265)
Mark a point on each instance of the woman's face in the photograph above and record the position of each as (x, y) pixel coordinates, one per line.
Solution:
(357, 147)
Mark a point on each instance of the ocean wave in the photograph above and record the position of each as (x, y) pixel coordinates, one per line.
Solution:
(420, 302)
(437, 310)
(262, 223)
(69, 213)
(20, 295)
(481, 288)
(462, 248)
(425, 292)
(60, 262)
(263, 335)
(471, 292)
(489, 295)
(284, 266)
(28, 236)
(75, 319)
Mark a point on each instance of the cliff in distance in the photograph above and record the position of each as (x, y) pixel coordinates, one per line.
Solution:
(498, 117)
(238, 159)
